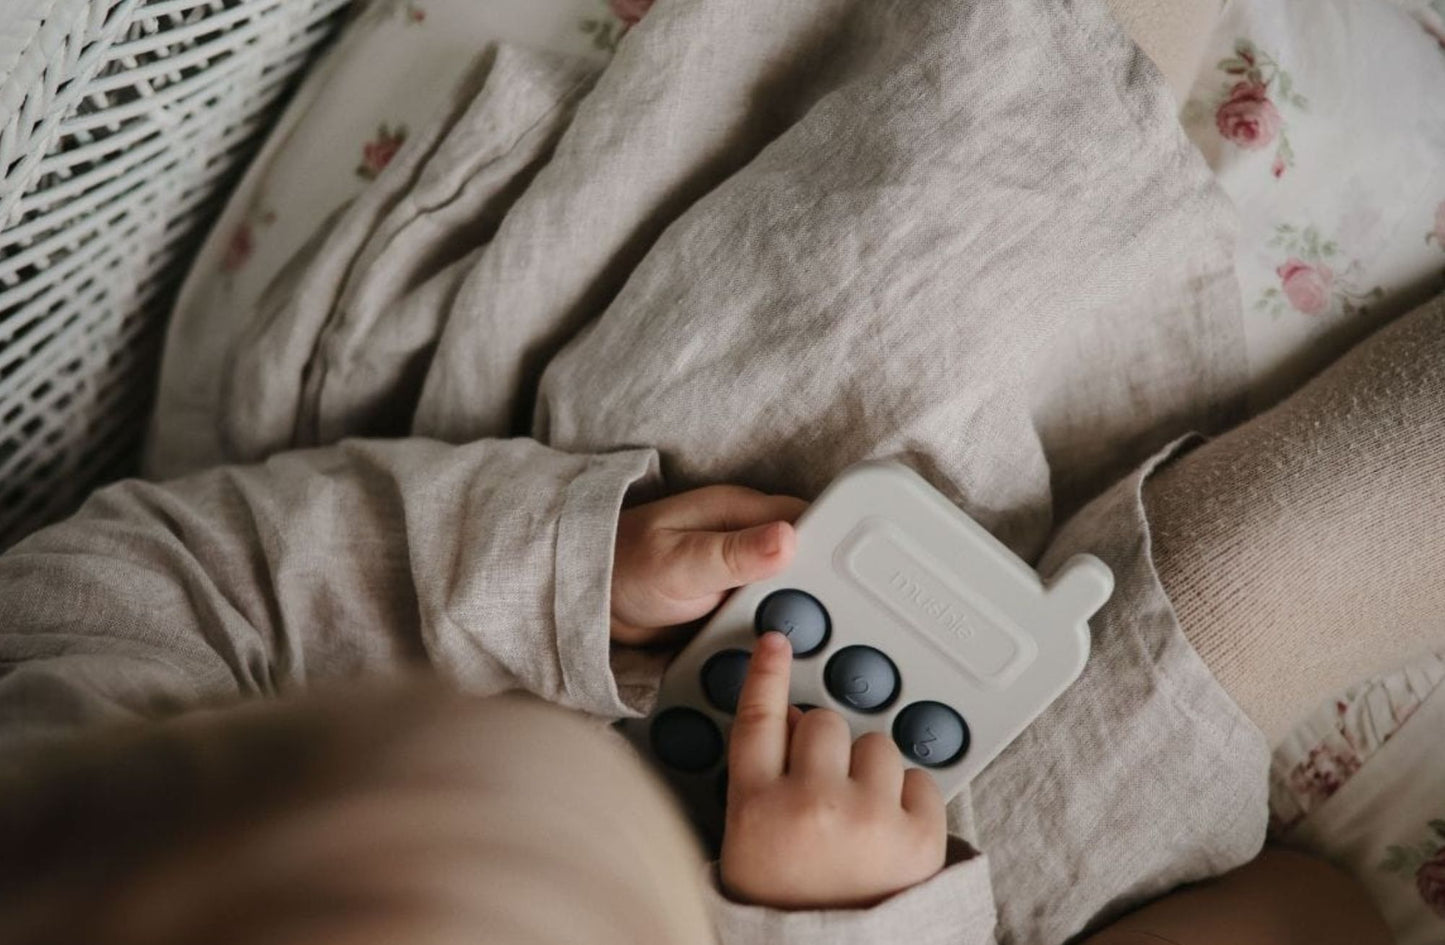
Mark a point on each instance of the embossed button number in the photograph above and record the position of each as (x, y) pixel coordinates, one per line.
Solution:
(862, 678)
(931, 733)
(797, 615)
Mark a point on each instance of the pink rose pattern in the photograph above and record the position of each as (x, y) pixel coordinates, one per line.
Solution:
(242, 244)
(1313, 279)
(239, 248)
(1324, 772)
(1430, 882)
(409, 12)
(377, 153)
(1302, 782)
(630, 12)
(1424, 864)
(1437, 235)
(610, 25)
(1432, 18)
(1307, 287)
(1247, 114)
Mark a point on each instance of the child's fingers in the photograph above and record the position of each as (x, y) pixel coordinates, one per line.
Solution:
(877, 765)
(706, 563)
(820, 748)
(921, 797)
(725, 509)
(758, 750)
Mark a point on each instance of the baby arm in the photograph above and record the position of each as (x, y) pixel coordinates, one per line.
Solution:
(490, 563)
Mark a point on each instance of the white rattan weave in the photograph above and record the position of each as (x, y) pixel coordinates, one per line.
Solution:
(121, 124)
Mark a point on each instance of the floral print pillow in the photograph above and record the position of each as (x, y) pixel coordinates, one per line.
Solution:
(1334, 743)
(397, 65)
(392, 70)
(1362, 783)
(1335, 157)
(1424, 863)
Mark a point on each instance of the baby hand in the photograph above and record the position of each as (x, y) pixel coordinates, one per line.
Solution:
(814, 822)
(676, 558)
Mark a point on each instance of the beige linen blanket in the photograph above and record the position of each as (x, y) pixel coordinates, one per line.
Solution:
(768, 241)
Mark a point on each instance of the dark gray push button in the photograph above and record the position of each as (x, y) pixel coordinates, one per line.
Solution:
(686, 739)
(722, 679)
(931, 734)
(861, 677)
(798, 616)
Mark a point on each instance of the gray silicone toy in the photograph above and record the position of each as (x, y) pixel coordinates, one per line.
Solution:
(906, 617)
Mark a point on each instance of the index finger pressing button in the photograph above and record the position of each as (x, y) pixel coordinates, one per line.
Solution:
(797, 615)
(759, 744)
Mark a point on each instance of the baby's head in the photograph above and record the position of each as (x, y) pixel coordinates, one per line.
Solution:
(403, 814)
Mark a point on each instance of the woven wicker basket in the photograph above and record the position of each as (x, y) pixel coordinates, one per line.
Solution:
(122, 123)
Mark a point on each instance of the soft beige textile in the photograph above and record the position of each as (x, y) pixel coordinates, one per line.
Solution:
(768, 242)
(489, 562)
(1016, 234)
(1316, 521)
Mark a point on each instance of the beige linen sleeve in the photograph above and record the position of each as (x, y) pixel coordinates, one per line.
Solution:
(955, 907)
(489, 562)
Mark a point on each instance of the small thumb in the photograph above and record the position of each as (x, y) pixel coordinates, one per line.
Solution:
(712, 562)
